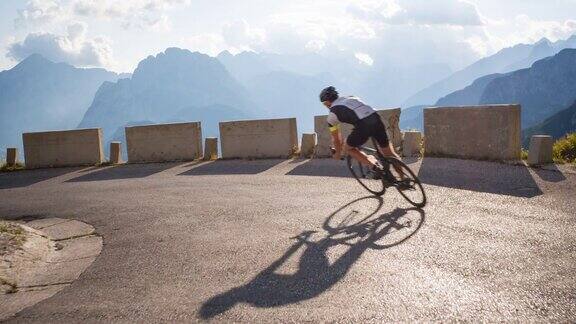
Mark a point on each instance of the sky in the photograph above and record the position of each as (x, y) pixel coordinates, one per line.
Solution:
(116, 35)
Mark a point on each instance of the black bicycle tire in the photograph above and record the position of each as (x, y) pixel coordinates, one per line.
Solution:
(349, 160)
(415, 177)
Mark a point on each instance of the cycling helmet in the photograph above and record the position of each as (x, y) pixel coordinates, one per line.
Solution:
(328, 94)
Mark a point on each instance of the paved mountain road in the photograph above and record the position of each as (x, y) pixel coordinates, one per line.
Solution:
(262, 241)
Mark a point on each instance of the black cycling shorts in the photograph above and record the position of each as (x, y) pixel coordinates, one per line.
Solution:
(371, 126)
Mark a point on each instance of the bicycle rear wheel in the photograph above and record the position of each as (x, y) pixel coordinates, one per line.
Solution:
(366, 177)
(411, 188)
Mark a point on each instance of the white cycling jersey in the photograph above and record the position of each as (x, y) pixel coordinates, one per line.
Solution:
(348, 110)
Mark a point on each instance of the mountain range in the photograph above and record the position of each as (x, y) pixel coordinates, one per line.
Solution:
(557, 125)
(507, 60)
(38, 94)
(544, 89)
(172, 86)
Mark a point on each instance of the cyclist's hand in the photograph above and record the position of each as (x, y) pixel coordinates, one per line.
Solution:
(336, 156)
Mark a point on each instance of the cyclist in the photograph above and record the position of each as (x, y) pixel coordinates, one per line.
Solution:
(367, 123)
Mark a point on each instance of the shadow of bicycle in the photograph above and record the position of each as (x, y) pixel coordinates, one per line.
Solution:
(356, 226)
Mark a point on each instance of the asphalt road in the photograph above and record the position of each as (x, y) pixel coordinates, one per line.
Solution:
(269, 241)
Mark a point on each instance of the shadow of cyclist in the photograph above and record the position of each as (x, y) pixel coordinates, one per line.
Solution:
(315, 273)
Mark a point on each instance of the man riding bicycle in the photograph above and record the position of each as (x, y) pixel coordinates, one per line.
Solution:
(367, 124)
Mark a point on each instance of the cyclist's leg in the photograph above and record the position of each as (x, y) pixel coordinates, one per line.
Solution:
(360, 156)
(385, 147)
(355, 140)
(389, 151)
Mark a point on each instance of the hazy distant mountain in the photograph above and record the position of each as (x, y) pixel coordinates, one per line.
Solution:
(286, 94)
(390, 85)
(507, 60)
(412, 118)
(210, 116)
(543, 90)
(297, 76)
(471, 95)
(245, 66)
(38, 94)
(162, 86)
(557, 125)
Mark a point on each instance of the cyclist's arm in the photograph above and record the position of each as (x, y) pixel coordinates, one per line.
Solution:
(337, 140)
(334, 127)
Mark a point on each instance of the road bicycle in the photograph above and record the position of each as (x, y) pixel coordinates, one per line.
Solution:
(376, 182)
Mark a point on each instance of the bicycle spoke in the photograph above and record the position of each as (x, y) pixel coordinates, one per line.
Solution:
(366, 177)
(409, 187)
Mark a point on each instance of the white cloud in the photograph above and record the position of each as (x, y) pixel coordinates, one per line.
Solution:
(533, 30)
(419, 12)
(391, 32)
(74, 48)
(38, 12)
(131, 13)
(522, 29)
(124, 8)
(297, 32)
(315, 45)
(142, 14)
(364, 58)
(209, 43)
(240, 35)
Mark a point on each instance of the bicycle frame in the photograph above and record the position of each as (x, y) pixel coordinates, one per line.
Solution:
(377, 152)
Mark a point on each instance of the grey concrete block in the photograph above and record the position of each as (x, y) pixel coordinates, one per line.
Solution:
(540, 151)
(308, 145)
(412, 144)
(11, 156)
(263, 138)
(211, 148)
(164, 142)
(63, 148)
(474, 132)
(115, 152)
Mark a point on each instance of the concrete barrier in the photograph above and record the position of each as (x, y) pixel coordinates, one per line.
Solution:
(211, 148)
(411, 144)
(63, 148)
(11, 156)
(540, 151)
(266, 138)
(308, 145)
(390, 117)
(164, 142)
(115, 152)
(475, 132)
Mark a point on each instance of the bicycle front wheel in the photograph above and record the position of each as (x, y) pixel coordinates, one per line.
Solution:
(410, 188)
(371, 182)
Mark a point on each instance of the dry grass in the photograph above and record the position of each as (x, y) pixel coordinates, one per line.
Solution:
(524, 154)
(6, 168)
(12, 236)
(564, 150)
